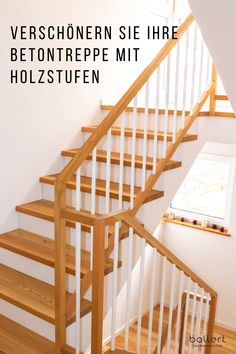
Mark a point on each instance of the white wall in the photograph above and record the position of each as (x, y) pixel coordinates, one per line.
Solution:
(216, 19)
(38, 121)
(210, 255)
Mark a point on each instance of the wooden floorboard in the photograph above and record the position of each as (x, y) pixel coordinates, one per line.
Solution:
(15, 339)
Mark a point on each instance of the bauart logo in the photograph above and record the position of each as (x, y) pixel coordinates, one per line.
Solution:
(206, 341)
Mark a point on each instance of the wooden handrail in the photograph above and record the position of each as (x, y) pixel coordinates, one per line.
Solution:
(133, 222)
(71, 168)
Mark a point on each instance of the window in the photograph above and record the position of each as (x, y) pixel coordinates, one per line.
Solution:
(206, 191)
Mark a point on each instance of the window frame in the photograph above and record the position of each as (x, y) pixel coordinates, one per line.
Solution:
(200, 217)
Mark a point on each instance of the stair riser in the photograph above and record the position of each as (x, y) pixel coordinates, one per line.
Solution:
(48, 193)
(151, 118)
(46, 228)
(27, 320)
(116, 143)
(32, 268)
(115, 170)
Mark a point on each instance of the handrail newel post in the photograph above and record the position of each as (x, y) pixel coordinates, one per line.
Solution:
(98, 285)
(60, 274)
(212, 107)
(211, 322)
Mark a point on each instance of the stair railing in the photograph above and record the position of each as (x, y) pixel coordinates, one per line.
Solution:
(171, 284)
(174, 70)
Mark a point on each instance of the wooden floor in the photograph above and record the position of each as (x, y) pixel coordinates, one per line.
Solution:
(15, 339)
(226, 348)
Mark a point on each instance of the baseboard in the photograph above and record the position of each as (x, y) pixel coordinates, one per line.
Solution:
(226, 326)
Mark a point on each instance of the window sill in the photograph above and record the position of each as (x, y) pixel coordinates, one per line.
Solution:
(197, 227)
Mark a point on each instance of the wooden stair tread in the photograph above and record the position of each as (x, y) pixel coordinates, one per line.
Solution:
(86, 186)
(115, 159)
(16, 339)
(44, 209)
(140, 133)
(33, 295)
(41, 249)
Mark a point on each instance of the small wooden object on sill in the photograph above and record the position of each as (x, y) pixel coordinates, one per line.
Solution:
(197, 226)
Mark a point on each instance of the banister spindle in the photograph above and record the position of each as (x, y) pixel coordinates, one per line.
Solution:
(167, 97)
(193, 82)
(141, 293)
(162, 303)
(185, 79)
(156, 122)
(151, 301)
(108, 172)
(177, 75)
(193, 314)
(133, 149)
(201, 67)
(146, 116)
(170, 317)
(121, 172)
(199, 318)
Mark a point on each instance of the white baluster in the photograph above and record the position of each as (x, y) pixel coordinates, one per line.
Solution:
(152, 294)
(199, 318)
(193, 314)
(162, 303)
(78, 263)
(128, 292)
(132, 172)
(193, 82)
(171, 309)
(186, 315)
(141, 292)
(167, 97)
(201, 69)
(185, 82)
(93, 200)
(206, 315)
(179, 312)
(156, 122)
(145, 136)
(108, 172)
(121, 172)
(114, 286)
(177, 74)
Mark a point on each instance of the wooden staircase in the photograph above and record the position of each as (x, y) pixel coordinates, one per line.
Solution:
(54, 303)
(33, 295)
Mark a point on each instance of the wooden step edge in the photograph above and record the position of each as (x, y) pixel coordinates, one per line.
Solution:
(37, 209)
(101, 188)
(40, 249)
(16, 339)
(33, 295)
(66, 349)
